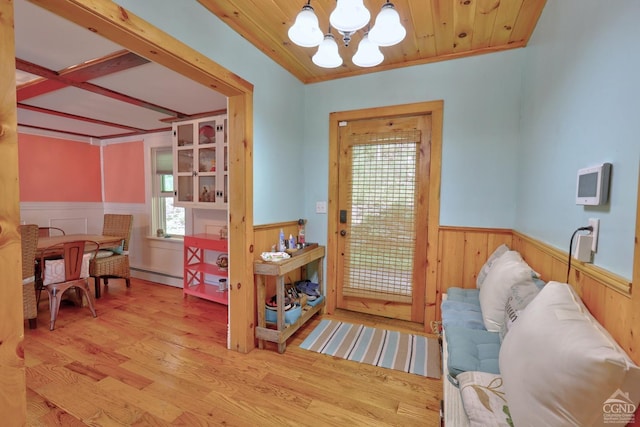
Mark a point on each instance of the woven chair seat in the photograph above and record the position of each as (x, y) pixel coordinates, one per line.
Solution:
(29, 239)
(116, 265)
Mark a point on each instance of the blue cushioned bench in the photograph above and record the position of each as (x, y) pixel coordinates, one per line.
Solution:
(471, 346)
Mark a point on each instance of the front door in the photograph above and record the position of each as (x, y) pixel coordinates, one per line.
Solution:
(383, 196)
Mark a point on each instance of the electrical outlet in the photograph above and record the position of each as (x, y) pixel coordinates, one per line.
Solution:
(595, 223)
(321, 207)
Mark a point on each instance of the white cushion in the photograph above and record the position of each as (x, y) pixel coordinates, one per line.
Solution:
(508, 270)
(54, 270)
(482, 274)
(560, 366)
(104, 254)
(520, 296)
(483, 399)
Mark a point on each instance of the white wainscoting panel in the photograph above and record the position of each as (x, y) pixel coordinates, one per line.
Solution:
(82, 217)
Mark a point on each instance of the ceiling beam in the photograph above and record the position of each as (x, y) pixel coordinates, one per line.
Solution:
(99, 67)
(196, 116)
(75, 117)
(89, 70)
(66, 80)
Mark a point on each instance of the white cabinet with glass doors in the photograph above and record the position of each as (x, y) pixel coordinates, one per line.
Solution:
(200, 168)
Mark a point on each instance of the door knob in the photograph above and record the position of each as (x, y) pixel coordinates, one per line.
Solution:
(343, 232)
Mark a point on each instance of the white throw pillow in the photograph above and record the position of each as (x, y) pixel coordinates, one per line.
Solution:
(483, 399)
(520, 295)
(505, 272)
(54, 270)
(561, 367)
(482, 274)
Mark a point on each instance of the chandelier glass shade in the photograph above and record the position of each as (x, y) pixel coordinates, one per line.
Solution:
(387, 30)
(348, 17)
(327, 55)
(305, 31)
(368, 53)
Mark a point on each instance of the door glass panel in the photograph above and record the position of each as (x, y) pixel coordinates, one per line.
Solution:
(185, 161)
(207, 189)
(185, 188)
(226, 185)
(185, 134)
(207, 132)
(381, 233)
(207, 159)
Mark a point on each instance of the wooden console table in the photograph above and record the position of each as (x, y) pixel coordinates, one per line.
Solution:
(278, 269)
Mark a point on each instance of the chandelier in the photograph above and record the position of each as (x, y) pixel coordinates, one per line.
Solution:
(348, 17)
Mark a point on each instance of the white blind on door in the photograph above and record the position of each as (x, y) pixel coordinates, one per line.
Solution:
(381, 224)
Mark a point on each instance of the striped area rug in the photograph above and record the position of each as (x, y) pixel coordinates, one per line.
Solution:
(379, 347)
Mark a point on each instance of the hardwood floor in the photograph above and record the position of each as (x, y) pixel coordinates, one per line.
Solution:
(152, 358)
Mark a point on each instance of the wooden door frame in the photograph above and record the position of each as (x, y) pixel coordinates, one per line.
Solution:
(13, 398)
(433, 108)
(124, 28)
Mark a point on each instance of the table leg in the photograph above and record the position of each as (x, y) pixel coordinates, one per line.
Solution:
(280, 311)
(260, 286)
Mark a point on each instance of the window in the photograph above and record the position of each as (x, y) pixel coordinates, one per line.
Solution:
(165, 216)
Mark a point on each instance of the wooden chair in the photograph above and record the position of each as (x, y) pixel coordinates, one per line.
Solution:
(50, 231)
(114, 265)
(71, 271)
(29, 239)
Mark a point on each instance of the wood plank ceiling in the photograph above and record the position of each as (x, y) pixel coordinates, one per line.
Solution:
(79, 83)
(437, 30)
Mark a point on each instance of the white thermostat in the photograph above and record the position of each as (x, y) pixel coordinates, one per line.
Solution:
(592, 186)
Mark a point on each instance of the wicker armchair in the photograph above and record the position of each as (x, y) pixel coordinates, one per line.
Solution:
(114, 265)
(29, 238)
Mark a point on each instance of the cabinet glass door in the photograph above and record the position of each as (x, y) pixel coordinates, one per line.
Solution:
(201, 162)
(185, 135)
(207, 188)
(185, 161)
(207, 132)
(185, 188)
(207, 159)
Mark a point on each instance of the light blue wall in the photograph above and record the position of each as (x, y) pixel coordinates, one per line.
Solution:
(580, 108)
(480, 135)
(278, 101)
(517, 124)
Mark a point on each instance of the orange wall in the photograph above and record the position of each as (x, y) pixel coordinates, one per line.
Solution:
(58, 170)
(124, 172)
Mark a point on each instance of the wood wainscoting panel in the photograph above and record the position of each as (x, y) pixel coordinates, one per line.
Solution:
(606, 295)
(462, 252)
(266, 235)
(552, 264)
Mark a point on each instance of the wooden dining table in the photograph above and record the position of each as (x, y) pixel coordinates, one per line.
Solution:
(105, 242)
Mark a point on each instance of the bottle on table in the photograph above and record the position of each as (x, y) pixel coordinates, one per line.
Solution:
(281, 245)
